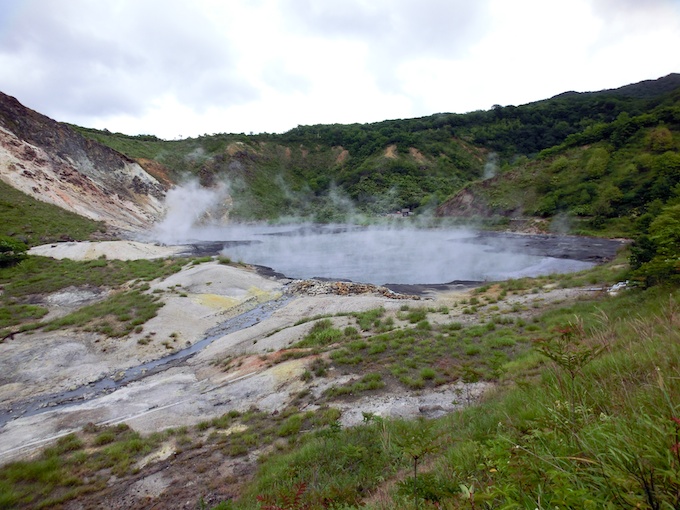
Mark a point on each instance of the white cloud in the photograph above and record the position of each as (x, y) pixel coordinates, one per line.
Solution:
(171, 67)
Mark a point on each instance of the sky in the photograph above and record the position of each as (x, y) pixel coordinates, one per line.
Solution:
(181, 68)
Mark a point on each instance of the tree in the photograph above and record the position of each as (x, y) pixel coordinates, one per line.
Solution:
(661, 139)
(657, 254)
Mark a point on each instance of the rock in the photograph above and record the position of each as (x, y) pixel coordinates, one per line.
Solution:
(319, 287)
(431, 409)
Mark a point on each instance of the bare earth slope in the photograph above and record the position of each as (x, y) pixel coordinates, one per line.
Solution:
(51, 162)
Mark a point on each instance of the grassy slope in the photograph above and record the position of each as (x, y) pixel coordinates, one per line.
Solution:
(598, 428)
(285, 175)
(34, 222)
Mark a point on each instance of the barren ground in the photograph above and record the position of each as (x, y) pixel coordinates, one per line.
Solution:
(197, 299)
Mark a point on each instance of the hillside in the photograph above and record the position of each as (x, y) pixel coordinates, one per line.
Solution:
(324, 172)
(136, 375)
(607, 176)
(54, 164)
(308, 176)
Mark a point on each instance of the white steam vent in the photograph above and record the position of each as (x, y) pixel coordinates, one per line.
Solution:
(190, 206)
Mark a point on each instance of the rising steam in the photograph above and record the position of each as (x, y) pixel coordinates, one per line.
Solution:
(400, 250)
(491, 166)
(188, 207)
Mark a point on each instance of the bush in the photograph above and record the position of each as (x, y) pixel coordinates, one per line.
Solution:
(11, 251)
(656, 256)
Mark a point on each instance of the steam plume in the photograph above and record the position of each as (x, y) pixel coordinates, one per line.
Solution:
(491, 166)
(188, 206)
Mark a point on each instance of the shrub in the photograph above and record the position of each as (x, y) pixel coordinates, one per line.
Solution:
(322, 333)
(11, 251)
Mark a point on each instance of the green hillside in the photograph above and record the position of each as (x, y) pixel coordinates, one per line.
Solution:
(609, 170)
(307, 174)
(33, 222)
(316, 171)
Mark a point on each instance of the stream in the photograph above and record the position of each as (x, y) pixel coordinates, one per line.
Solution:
(109, 384)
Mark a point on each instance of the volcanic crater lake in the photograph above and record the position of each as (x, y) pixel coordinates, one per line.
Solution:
(382, 255)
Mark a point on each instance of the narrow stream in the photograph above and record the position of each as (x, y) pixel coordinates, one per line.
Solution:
(110, 384)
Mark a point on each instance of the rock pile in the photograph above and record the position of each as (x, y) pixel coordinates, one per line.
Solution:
(319, 287)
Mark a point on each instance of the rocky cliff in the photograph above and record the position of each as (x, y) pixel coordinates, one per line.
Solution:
(51, 162)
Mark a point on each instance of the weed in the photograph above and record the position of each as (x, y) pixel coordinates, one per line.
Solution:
(322, 333)
(367, 319)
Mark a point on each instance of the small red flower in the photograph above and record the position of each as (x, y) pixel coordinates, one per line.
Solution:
(676, 420)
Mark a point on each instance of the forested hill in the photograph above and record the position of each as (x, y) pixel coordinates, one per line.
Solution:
(508, 130)
(322, 171)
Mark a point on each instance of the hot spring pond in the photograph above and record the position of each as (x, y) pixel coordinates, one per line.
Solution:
(382, 256)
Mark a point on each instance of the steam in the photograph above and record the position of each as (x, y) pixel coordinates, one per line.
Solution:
(398, 250)
(383, 254)
(491, 166)
(561, 224)
(188, 206)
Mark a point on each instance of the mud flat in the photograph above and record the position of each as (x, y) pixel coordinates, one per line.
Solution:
(53, 383)
(38, 365)
(185, 394)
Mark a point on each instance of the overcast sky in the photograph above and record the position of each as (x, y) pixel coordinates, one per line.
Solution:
(178, 68)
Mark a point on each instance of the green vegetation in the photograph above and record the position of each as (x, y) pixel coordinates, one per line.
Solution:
(322, 333)
(11, 251)
(33, 222)
(656, 254)
(116, 315)
(591, 421)
(83, 462)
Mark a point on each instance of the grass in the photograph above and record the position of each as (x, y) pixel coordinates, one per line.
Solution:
(369, 382)
(417, 354)
(73, 466)
(40, 275)
(117, 315)
(602, 433)
(34, 222)
(322, 333)
(368, 319)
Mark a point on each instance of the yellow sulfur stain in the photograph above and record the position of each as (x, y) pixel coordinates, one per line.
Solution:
(288, 370)
(163, 453)
(238, 427)
(91, 253)
(262, 295)
(217, 302)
